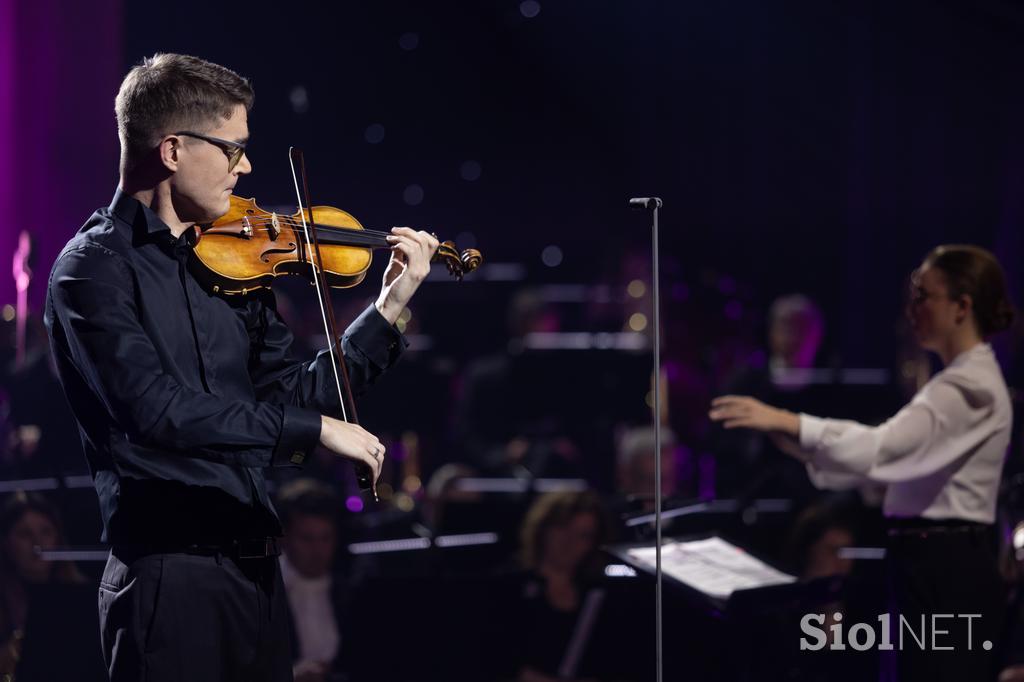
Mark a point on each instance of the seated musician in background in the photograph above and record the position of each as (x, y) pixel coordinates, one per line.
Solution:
(316, 591)
(747, 463)
(183, 397)
(560, 538)
(28, 523)
(504, 437)
(819, 533)
(634, 464)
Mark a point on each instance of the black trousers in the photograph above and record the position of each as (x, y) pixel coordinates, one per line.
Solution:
(195, 617)
(947, 575)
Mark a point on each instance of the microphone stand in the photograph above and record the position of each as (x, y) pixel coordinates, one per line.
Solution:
(652, 204)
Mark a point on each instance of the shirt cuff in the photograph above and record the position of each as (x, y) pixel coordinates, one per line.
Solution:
(811, 431)
(300, 434)
(378, 341)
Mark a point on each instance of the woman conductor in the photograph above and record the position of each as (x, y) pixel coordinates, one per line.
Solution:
(940, 458)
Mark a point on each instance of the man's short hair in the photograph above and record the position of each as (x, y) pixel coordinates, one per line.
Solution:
(307, 497)
(796, 305)
(170, 92)
(639, 442)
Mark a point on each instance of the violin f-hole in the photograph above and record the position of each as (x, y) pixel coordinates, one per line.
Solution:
(265, 256)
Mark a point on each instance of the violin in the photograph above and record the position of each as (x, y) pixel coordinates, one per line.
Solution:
(248, 247)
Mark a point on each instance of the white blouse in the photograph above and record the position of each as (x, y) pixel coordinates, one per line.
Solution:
(941, 456)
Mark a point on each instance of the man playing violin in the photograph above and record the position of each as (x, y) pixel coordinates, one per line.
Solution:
(183, 397)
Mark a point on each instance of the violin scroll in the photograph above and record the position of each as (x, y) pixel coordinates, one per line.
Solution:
(458, 264)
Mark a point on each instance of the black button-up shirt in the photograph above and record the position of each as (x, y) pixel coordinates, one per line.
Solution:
(182, 397)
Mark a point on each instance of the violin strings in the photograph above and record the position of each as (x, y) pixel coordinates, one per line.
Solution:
(295, 223)
(326, 229)
(356, 237)
(367, 237)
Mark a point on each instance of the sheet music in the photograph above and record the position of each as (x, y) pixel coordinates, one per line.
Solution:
(712, 566)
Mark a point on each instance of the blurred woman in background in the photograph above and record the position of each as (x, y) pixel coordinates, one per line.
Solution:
(560, 538)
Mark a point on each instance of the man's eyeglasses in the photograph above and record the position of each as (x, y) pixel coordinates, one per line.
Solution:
(233, 150)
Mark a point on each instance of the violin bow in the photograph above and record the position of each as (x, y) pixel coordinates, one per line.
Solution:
(298, 165)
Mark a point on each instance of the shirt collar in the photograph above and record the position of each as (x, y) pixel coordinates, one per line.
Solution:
(964, 357)
(145, 221)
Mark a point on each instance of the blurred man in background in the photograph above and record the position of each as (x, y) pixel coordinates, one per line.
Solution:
(316, 594)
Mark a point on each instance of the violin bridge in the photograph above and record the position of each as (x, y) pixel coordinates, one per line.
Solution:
(275, 227)
(246, 227)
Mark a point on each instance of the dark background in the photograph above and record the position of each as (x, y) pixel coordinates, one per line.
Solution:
(820, 147)
(801, 146)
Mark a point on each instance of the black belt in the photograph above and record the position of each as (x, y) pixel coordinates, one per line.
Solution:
(254, 548)
(257, 548)
(921, 528)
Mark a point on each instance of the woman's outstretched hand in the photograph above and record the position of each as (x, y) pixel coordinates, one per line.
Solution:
(744, 412)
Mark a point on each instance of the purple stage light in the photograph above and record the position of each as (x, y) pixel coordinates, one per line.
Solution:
(529, 8)
(56, 125)
(409, 41)
(413, 195)
(374, 133)
(299, 98)
(470, 171)
(551, 256)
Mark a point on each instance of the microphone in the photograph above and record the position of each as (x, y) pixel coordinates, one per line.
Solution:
(645, 202)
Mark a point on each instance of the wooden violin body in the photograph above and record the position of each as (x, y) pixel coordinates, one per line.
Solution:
(249, 247)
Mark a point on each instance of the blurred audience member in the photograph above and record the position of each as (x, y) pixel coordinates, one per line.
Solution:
(500, 429)
(442, 491)
(747, 463)
(1012, 570)
(41, 438)
(635, 466)
(795, 329)
(316, 594)
(37, 425)
(28, 524)
(560, 538)
(819, 533)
